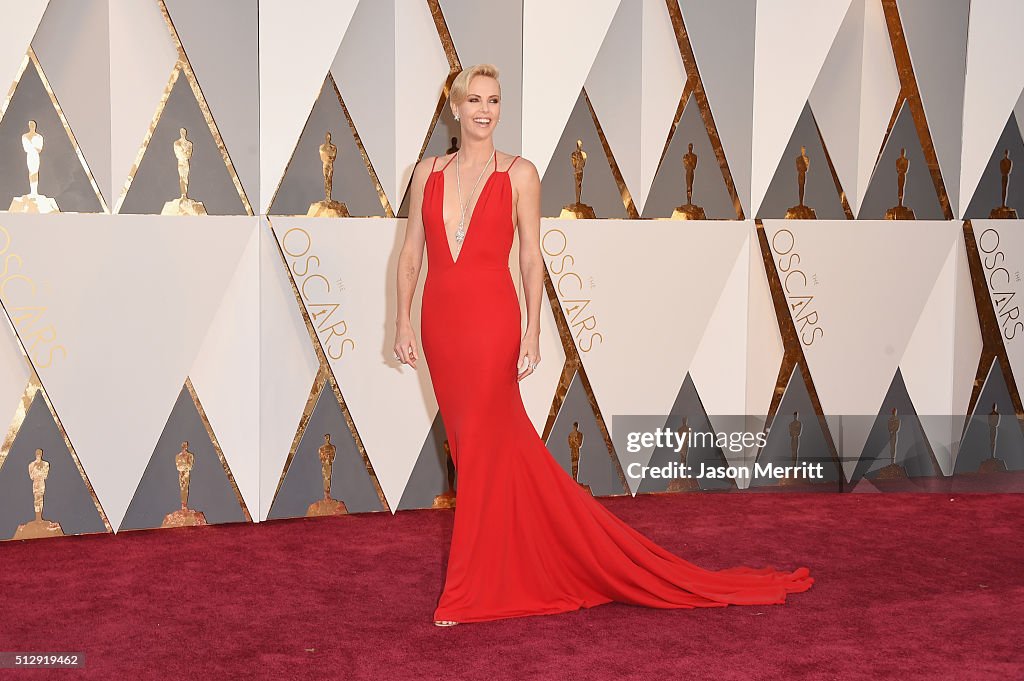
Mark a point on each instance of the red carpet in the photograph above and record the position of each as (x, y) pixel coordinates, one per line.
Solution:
(907, 586)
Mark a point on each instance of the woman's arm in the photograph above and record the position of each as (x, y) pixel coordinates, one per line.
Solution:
(531, 263)
(409, 262)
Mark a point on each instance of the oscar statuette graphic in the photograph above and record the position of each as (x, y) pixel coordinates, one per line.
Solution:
(327, 505)
(39, 527)
(184, 516)
(801, 211)
(893, 471)
(992, 464)
(688, 211)
(446, 499)
(33, 202)
(578, 210)
(183, 205)
(683, 483)
(1004, 212)
(454, 147)
(795, 428)
(899, 211)
(575, 445)
(328, 208)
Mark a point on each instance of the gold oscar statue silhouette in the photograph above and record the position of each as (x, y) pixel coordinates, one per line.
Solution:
(578, 210)
(183, 205)
(1004, 212)
(801, 211)
(795, 428)
(328, 208)
(992, 464)
(39, 527)
(893, 471)
(682, 483)
(899, 211)
(33, 202)
(327, 505)
(575, 445)
(688, 211)
(184, 516)
(446, 499)
(454, 147)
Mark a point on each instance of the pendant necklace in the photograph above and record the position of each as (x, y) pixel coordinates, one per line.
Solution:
(460, 233)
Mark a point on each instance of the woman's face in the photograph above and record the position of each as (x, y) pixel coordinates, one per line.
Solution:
(479, 112)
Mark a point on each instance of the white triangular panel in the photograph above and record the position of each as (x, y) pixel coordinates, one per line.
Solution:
(663, 78)
(1006, 291)
(142, 57)
(928, 362)
(615, 88)
(296, 46)
(288, 366)
(14, 372)
(80, 77)
(880, 90)
(371, 95)
(130, 328)
(936, 32)
(634, 366)
(569, 34)
(225, 373)
(765, 349)
(792, 42)
(719, 367)
(392, 405)
(221, 42)
(722, 37)
(20, 19)
(992, 85)
(868, 286)
(420, 71)
(835, 99)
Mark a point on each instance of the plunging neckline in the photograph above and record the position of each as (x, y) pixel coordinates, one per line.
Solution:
(469, 228)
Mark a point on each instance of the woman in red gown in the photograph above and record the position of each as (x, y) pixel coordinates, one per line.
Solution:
(527, 539)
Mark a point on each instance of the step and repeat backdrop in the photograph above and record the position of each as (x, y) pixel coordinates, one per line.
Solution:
(781, 244)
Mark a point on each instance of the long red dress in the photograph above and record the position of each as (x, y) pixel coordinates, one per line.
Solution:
(527, 539)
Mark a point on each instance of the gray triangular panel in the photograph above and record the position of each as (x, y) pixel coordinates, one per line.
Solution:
(156, 180)
(61, 175)
(820, 190)
(558, 188)
(988, 195)
(209, 489)
(303, 181)
(66, 498)
(303, 480)
(431, 472)
(812, 444)
(221, 41)
(669, 187)
(596, 467)
(977, 442)
(919, 193)
(688, 406)
(913, 451)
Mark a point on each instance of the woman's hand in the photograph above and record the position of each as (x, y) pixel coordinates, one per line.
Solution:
(405, 345)
(529, 355)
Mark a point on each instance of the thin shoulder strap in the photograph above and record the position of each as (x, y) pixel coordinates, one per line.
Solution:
(449, 162)
(433, 164)
(512, 164)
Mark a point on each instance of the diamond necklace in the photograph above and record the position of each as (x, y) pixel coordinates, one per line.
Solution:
(460, 233)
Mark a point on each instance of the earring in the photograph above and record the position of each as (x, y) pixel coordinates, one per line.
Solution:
(456, 116)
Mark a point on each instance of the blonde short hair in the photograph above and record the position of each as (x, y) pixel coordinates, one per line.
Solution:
(460, 86)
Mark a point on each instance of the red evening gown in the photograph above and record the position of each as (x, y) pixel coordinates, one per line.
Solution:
(527, 539)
